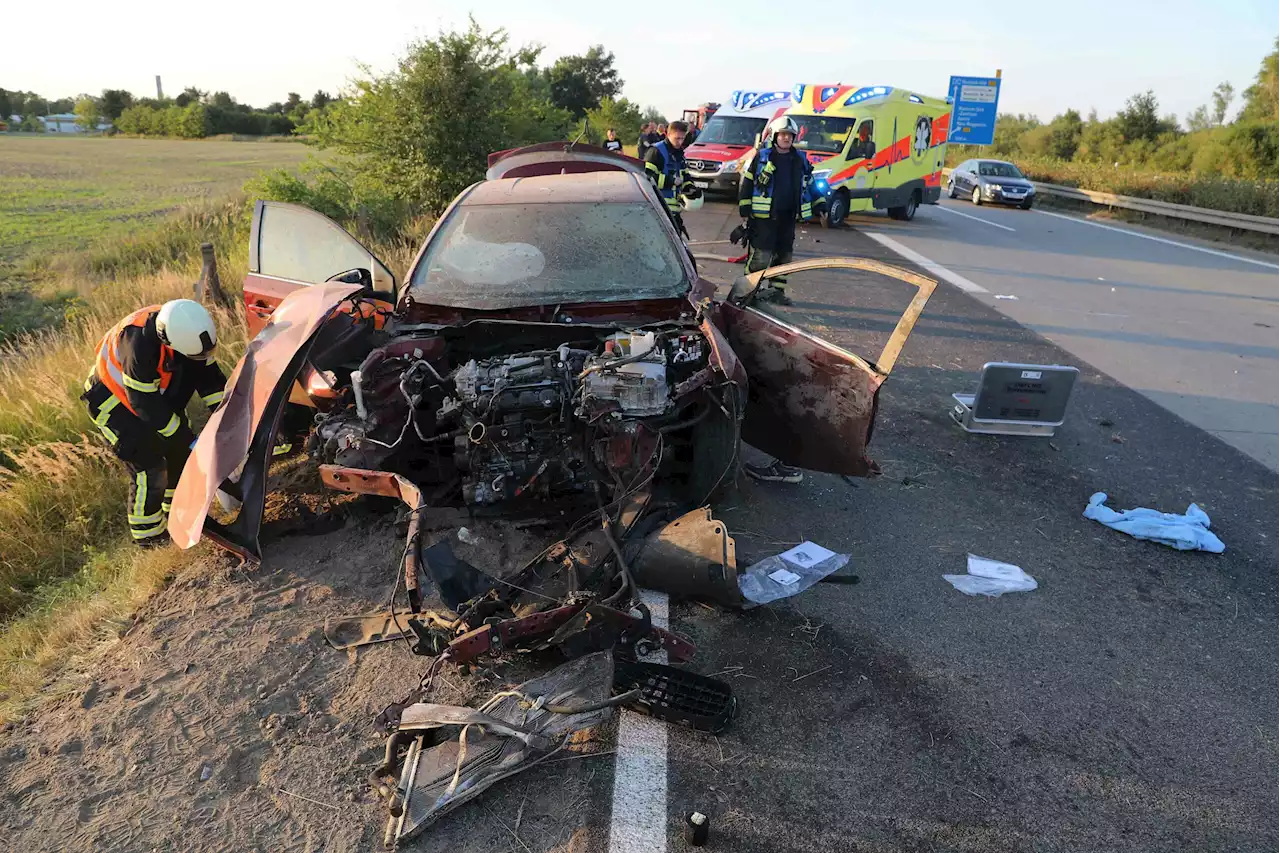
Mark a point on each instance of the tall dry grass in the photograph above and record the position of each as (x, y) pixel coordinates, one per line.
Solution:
(67, 570)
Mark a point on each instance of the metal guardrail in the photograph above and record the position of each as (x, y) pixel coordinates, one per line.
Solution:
(1225, 219)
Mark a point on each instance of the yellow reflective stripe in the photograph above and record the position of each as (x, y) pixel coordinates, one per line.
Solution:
(213, 399)
(652, 167)
(168, 493)
(166, 507)
(149, 532)
(146, 519)
(282, 448)
(140, 494)
(171, 427)
(108, 433)
(768, 167)
(145, 387)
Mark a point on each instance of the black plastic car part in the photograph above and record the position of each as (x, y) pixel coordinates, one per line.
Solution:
(675, 695)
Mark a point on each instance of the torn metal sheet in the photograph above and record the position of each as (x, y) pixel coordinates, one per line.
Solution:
(255, 395)
(458, 753)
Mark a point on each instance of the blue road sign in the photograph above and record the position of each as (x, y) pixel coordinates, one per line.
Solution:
(973, 109)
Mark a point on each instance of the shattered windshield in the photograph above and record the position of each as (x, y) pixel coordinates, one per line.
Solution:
(735, 130)
(490, 256)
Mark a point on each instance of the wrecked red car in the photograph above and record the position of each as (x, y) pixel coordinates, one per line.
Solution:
(553, 342)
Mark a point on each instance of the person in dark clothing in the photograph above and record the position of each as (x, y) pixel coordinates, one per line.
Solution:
(664, 163)
(649, 137)
(774, 193)
(148, 368)
(692, 137)
(612, 143)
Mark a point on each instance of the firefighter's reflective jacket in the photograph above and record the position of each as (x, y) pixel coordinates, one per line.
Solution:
(665, 167)
(756, 196)
(136, 370)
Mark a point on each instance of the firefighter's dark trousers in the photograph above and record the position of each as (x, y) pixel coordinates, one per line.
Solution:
(772, 241)
(154, 463)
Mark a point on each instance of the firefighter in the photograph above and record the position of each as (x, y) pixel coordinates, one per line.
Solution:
(775, 192)
(147, 369)
(664, 163)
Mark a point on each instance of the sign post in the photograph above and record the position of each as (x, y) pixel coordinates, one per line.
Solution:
(973, 109)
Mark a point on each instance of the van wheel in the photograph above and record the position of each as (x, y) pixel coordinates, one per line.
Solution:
(977, 196)
(838, 210)
(906, 212)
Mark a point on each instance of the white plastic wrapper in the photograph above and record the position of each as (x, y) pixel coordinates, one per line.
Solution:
(991, 577)
(789, 573)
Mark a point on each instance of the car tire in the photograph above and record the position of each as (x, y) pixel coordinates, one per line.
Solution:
(1026, 205)
(951, 188)
(838, 211)
(977, 196)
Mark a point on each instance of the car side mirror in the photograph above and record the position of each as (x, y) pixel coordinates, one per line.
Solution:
(360, 276)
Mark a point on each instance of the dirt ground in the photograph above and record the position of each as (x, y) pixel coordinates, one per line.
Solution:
(222, 721)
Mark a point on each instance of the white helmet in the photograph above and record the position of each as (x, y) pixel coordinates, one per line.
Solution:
(783, 124)
(185, 325)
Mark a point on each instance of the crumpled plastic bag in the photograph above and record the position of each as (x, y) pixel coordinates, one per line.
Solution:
(789, 573)
(992, 578)
(1188, 532)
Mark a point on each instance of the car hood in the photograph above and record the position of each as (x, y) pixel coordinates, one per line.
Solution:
(242, 430)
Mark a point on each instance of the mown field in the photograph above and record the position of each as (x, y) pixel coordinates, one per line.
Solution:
(62, 192)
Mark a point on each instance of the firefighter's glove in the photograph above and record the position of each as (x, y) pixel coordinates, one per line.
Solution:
(738, 236)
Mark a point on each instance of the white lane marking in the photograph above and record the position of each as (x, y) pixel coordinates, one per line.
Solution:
(640, 768)
(974, 218)
(937, 269)
(1155, 239)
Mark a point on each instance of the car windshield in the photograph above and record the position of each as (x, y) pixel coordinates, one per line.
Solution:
(731, 130)
(823, 133)
(998, 170)
(494, 256)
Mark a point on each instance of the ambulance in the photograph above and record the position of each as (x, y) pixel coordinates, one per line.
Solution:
(872, 147)
(731, 134)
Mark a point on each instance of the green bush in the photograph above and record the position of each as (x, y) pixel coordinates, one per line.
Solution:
(339, 192)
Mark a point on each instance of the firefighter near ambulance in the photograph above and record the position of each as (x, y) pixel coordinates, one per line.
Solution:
(664, 163)
(776, 192)
(147, 369)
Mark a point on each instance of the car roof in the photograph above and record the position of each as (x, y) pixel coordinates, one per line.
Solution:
(580, 188)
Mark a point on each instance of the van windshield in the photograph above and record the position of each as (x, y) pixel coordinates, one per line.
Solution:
(493, 256)
(827, 134)
(731, 130)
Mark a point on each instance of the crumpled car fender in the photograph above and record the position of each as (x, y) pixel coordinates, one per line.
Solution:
(243, 428)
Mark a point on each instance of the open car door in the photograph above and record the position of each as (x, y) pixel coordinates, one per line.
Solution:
(292, 246)
(811, 403)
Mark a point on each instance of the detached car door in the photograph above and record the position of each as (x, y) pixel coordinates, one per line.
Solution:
(292, 246)
(811, 403)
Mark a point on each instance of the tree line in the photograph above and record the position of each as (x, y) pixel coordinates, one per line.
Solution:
(192, 114)
(1212, 143)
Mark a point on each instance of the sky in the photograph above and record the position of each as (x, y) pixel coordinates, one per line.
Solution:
(1087, 54)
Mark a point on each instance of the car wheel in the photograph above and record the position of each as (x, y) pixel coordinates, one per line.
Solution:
(838, 211)
(977, 196)
(1026, 205)
(951, 188)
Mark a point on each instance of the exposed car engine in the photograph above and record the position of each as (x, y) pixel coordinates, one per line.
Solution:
(533, 424)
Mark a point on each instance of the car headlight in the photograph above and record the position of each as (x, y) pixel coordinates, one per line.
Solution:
(820, 181)
(729, 167)
(989, 189)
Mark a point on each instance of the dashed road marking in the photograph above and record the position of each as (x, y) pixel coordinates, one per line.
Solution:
(975, 218)
(933, 267)
(639, 822)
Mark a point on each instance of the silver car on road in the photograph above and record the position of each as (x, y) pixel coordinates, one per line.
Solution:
(991, 180)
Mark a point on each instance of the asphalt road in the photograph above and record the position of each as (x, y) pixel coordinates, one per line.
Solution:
(1191, 329)
(1127, 704)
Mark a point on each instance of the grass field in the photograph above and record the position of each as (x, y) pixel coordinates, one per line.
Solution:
(61, 193)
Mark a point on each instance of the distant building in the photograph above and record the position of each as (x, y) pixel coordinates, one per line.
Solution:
(57, 123)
